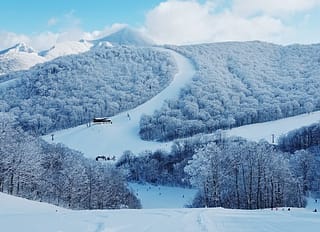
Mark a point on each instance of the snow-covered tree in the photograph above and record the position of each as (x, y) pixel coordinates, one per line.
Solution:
(238, 84)
(239, 174)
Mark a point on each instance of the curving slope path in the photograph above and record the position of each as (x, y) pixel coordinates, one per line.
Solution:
(123, 133)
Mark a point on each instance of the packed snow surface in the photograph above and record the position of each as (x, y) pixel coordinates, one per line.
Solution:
(17, 215)
(274, 129)
(123, 133)
(156, 196)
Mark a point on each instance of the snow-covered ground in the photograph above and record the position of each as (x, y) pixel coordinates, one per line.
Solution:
(123, 133)
(153, 197)
(266, 130)
(17, 215)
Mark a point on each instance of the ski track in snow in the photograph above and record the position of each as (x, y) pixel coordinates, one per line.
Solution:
(123, 133)
(201, 222)
(100, 227)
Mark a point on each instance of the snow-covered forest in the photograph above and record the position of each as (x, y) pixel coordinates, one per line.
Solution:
(230, 172)
(243, 175)
(33, 169)
(302, 138)
(235, 84)
(238, 84)
(71, 90)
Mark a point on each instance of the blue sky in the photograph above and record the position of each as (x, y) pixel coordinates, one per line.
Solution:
(41, 23)
(32, 16)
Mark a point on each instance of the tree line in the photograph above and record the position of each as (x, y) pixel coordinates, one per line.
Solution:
(301, 138)
(34, 169)
(229, 172)
(243, 175)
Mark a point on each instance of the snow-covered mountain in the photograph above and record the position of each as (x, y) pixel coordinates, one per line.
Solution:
(23, 57)
(239, 83)
(103, 81)
(128, 130)
(18, 57)
(127, 36)
(66, 48)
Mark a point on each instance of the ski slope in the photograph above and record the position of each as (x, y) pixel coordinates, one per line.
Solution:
(266, 130)
(113, 139)
(123, 133)
(17, 215)
(156, 196)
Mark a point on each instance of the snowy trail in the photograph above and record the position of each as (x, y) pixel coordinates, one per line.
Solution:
(17, 214)
(123, 133)
(154, 197)
(258, 131)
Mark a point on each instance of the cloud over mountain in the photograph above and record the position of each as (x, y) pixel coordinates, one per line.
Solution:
(194, 21)
(185, 22)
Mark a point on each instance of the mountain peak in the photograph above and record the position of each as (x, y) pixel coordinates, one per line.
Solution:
(66, 48)
(20, 47)
(127, 36)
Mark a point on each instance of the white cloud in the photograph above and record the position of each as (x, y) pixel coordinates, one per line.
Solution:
(179, 22)
(45, 40)
(70, 20)
(8, 39)
(228, 27)
(97, 34)
(279, 8)
(185, 22)
(52, 22)
(189, 21)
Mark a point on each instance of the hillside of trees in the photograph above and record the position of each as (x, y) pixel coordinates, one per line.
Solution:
(229, 172)
(302, 138)
(239, 83)
(72, 90)
(236, 84)
(33, 169)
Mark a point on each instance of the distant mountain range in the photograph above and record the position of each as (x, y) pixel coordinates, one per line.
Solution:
(22, 57)
(18, 57)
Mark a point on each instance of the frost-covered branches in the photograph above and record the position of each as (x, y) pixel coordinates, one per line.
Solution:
(238, 84)
(301, 138)
(243, 175)
(36, 170)
(72, 90)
